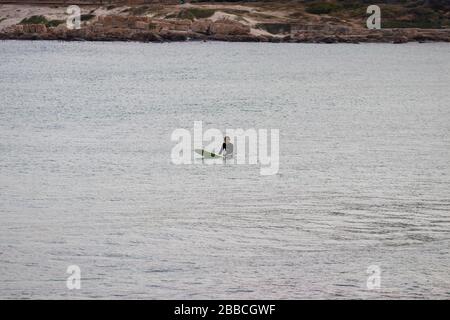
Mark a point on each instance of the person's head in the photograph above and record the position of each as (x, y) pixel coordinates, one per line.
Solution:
(226, 139)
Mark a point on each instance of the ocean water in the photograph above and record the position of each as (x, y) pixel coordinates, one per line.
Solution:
(86, 176)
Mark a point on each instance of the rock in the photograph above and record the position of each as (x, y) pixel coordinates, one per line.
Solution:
(141, 25)
(202, 26)
(181, 25)
(141, 28)
(146, 36)
(17, 28)
(98, 28)
(401, 39)
(374, 37)
(74, 34)
(58, 32)
(133, 21)
(34, 28)
(159, 25)
(343, 30)
(116, 21)
(234, 38)
(174, 35)
(119, 33)
(119, 22)
(106, 21)
(229, 27)
(301, 37)
(325, 39)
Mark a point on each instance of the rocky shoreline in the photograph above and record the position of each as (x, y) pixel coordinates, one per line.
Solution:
(145, 29)
(245, 22)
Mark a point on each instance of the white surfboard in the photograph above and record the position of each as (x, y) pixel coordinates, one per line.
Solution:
(208, 155)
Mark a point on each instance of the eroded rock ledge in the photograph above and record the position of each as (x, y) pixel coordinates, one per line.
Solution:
(145, 29)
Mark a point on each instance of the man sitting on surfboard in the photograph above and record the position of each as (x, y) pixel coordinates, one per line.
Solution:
(227, 148)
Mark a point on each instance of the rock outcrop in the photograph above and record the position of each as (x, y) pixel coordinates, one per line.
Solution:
(226, 27)
(142, 28)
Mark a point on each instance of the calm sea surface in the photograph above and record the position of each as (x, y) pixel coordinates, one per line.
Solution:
(86, 176)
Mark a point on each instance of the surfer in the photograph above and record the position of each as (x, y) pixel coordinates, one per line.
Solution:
(227, 148)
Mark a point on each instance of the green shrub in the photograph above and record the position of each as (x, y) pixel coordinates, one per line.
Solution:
(54, 23)
(86, 17)
(422, 24)
(51, 23)
(352, 5)
(417, 17)
(34, 20)
(199, 13)
(41, 20)
(322, 7)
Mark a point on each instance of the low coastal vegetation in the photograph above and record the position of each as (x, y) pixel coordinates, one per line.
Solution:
(41, 20)
(322, 7)
(427, 14)
(192, 14)
(35, 20)
(86, 17)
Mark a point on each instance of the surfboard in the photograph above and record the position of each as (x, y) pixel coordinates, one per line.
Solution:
(208, 155)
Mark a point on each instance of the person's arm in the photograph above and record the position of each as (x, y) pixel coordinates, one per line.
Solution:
(223, 148)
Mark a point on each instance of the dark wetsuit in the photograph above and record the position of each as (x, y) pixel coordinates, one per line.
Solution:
(228, 148)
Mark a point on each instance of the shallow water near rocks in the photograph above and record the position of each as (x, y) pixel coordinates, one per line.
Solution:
(86, 176)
